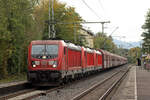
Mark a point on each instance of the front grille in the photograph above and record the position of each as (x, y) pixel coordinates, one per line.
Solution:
(43, 63)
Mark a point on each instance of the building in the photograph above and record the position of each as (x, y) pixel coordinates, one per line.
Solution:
(89, 37)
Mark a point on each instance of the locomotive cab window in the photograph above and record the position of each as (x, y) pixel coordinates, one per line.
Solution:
(37, 49)
(50, 51)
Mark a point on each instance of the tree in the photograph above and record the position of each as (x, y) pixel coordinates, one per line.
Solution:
(62, 14)
(16, 24)
(23, 21)
(133, 54)
(146, 33)
(104, 42)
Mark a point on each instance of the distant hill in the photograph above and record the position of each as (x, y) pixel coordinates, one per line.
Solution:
(126, 45)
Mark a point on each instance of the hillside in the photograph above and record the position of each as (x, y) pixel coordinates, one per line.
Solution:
(126, 45)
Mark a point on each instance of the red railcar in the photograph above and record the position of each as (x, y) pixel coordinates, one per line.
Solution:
(98, 59)
(54, 61)
(111, 60)
(46, 61)
(89, 60)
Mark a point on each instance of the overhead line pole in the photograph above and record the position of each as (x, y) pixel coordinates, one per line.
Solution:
(79, 22)
(53, 26)
(103, 25)
(49, 18)
(103, 22)
(108, 37)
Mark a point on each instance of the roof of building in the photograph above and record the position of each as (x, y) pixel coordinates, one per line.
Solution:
(88, 31)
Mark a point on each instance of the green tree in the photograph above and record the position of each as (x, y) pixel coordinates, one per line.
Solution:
(133, 54)
(62, 14)
(104, 42)
(23, 21)
(15, 29)
(146, 33)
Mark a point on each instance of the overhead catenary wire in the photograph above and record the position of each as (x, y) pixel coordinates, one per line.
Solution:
(96, 15)
(101, 5)
(113, 31)
(109, 36)
(91, 9)
(106, 15)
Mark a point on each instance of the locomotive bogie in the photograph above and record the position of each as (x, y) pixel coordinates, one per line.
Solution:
(43, 76)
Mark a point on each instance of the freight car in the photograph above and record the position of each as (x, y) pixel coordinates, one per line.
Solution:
(55, 61)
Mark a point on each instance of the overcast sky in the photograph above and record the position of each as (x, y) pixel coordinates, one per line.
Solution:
(128, 15)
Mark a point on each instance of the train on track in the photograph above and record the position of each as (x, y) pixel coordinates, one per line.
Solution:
(51, 62)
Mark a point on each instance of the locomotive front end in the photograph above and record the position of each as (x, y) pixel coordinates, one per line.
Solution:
(43, 62)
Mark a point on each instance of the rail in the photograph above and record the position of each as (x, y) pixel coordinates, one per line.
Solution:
(86, 92)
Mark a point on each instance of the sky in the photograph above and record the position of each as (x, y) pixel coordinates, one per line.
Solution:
(127, 15)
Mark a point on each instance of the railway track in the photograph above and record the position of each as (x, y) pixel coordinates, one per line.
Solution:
(11, 95)
(104, 89)
(67, 85)
(32, 93)
(28, 93)
(109, 93)
(12, 87)
(43, 92)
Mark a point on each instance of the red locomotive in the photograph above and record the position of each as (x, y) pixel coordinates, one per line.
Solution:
(55, 61)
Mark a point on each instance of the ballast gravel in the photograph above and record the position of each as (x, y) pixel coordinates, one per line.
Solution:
(73, 90)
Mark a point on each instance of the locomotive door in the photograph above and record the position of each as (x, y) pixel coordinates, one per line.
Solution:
(64, 59)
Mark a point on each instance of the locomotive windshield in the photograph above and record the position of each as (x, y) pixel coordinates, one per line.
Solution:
(50, 51)
(37, 49)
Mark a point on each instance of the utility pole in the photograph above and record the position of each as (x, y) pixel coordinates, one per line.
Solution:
(49, 18)
(103, 25)
(75, 36)
(79, 22)
(108, 36)
(53, 26)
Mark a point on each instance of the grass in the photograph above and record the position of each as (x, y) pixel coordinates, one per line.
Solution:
(14, 78)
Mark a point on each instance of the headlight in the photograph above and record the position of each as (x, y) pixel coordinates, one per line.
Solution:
(33, 65)
(54, 66)
(50, 62)
(44, 57)
(33, 62)
(37, 62)
(53, 63)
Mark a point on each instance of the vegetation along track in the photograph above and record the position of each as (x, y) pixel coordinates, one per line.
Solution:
(103, 89)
